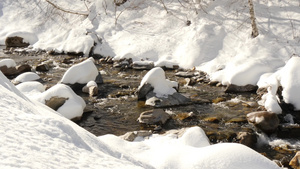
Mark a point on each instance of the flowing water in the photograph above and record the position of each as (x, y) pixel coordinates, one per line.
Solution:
(115, 110)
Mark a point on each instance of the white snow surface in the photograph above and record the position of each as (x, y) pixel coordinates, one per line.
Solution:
(162, 86)
(81, 73)
(27, 76)
(72, 108)
(34, 136)
(8, 63)
(31, 89)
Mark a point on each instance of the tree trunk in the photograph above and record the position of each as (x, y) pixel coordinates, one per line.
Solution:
(253, 18)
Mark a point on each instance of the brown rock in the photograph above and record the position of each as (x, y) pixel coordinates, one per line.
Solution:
(56, 102)
(8, 71)
(263, 120)
(295, 162)
(247, 138)
(42, 68)
(23, 68)
(15, 41)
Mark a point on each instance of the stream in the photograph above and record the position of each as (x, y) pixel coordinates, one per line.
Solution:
(115, 110)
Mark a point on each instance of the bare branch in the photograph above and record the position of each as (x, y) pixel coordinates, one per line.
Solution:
(67, 10)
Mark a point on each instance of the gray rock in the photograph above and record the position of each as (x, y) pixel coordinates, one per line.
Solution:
(99, 79)
(238, 89)
(156, 116)
(143, 66)
(143, 91)
(185, 74)
(175, 99)
(56, 102)
(131, 136)
(265, 121)
(15, 41)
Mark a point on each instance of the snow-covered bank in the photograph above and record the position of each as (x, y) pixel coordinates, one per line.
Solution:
(34, 136)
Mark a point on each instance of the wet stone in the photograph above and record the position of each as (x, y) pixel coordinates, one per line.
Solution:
(185, 74)
(131, 136)
(263, 120)
(219, 99)
(295, 162)
(23, 68)
(15, 41)
(212, 119)
(175, 99)
(247, 138)
(238, 89)
(156, 116)
(42, 68)
(8, 71)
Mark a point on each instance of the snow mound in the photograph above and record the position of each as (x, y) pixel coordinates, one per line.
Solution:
(289, 78)
(192, 150)
(8, 63)
(72, 108)
(31, 89)
(81, 73)
(27, 76)
(162, 87)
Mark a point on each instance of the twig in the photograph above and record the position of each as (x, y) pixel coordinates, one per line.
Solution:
(66, 10)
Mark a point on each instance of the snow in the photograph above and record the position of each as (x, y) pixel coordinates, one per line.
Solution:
(81, 73)
(74, 105)
(8, 63)
(91, 83)
(162, 87)
(34, 136)
(31, 89)
(27, 76)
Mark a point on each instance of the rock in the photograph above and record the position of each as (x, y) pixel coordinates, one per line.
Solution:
(218, 100)
(213, 83)
(143, 65)
(56, 102)
(238, 89)
(183, 116)
(23, 68)
(175, 99)
(8, 71)
(143, 91)
(212, 119)
(185, 74)
(289, 131)
(15, 41)
(99, 79)
(131, 136)
(263, 120)
(247, 138)
(91, 90)
(156, 116)
(237, 120)
(295, 162)
(42, 68)
(190, 81)
(123, 63)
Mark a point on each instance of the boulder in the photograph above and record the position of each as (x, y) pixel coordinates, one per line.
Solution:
(174, 99)
(91, 90)
(23, 68)
(238, 89)
(143, 91)
(247, 138)
(265, 121)
(295, 162)
(143, 65)
(42, 68)
(55, 102)
(15, 41)
(185, 74)
(156, 116)
(8, 71)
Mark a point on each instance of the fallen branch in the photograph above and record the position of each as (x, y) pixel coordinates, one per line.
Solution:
(67, 10)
